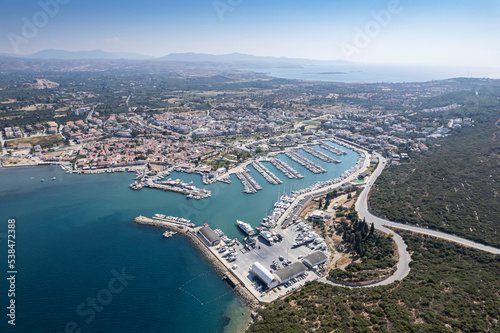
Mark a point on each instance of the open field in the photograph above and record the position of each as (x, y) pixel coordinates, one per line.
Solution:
(44, 141)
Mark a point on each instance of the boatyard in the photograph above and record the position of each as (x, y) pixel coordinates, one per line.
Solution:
(276, 256)
(219, 266)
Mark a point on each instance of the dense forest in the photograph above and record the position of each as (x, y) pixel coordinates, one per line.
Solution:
(449, 288)
(454, 187)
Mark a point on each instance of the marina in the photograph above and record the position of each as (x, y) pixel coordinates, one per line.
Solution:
(250, 185)
(247, 228)
(218, 262)
(331, 148)
(308, 164)
(268, 175)
(322, 156)
(177, 186)
(286, 169)
(173, 219)
(168, 256)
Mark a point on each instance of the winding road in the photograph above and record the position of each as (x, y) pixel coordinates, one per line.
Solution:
(403, 266)
(362, 208)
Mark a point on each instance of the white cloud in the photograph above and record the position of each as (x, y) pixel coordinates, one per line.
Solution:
(114, 40)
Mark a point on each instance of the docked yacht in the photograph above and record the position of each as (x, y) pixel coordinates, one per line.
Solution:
(247, 228)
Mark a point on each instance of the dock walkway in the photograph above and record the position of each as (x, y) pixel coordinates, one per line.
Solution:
(308, 164)
(322, 156)
(219, 266)
(268, 175)
(332, 149)
(286, 169)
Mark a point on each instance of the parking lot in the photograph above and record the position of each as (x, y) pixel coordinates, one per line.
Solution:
(265, 254)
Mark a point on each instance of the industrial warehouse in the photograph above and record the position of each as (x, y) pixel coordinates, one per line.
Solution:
(208, 236)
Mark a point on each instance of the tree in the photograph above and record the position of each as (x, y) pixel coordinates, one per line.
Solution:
(365, 229)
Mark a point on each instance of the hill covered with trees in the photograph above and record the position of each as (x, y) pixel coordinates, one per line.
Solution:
(455, 186)
(449, 288)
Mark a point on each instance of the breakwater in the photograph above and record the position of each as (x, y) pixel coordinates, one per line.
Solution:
(219, 266)
(176, 186)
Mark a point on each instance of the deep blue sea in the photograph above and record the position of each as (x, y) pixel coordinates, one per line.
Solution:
(75, 236)
(366, 73)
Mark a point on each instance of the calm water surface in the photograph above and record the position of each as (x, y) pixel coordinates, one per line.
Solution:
(75, 234)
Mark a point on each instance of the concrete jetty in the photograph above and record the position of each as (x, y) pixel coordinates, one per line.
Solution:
(177, 186)
(319, 154)
(249, 183)
(219, 266)
(332, 149)
(268, 175)
(308, 164)
(286, 169)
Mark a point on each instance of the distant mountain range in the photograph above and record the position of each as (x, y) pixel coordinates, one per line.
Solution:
(85, 55)
(53, 54)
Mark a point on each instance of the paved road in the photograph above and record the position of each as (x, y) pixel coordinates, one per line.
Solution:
(403, 266)
(91, 113)
(362, 208)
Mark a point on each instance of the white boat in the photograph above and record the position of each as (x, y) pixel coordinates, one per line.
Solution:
(308, 239)
(267, 236)
(247, 228)
(298, 243)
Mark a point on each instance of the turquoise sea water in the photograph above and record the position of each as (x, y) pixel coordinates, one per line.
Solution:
(75, 235)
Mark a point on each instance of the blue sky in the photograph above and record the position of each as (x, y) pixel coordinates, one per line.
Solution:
(423, 32)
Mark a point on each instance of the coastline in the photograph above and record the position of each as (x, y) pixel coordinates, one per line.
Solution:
(190, 233)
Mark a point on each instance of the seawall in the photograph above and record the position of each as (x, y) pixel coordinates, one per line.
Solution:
(190, 233)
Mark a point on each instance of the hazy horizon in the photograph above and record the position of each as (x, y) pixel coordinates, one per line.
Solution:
(376, 32)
